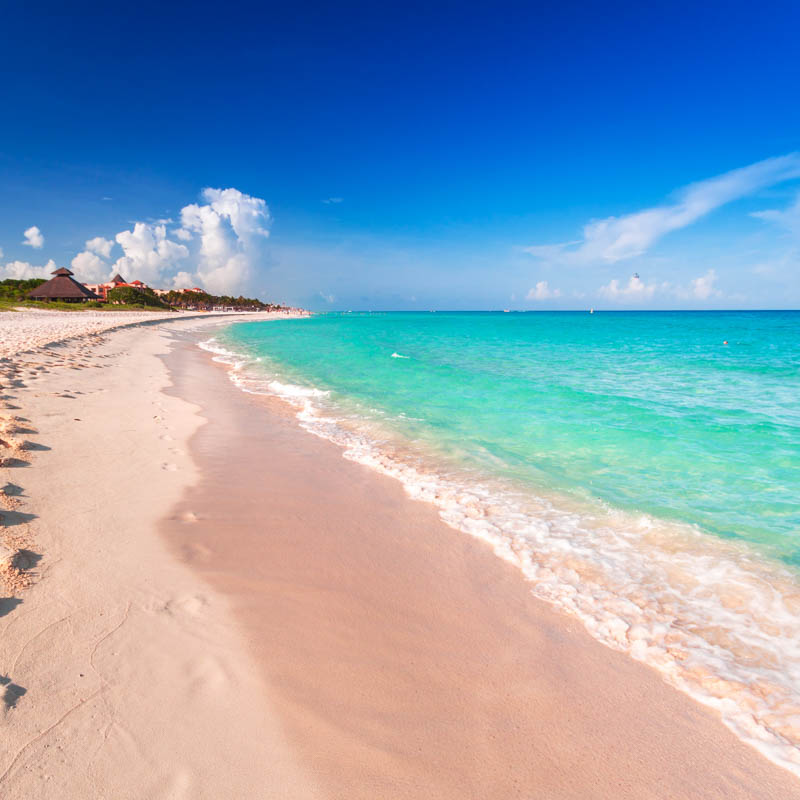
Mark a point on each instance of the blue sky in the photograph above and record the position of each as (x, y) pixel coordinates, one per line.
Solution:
(439, 155)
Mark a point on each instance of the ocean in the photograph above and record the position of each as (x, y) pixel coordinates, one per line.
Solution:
(641, 469)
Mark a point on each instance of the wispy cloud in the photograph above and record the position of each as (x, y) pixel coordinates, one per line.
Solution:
(542, 292)
(33, 238)
(335, 200)
(788, 218)
(616, 238)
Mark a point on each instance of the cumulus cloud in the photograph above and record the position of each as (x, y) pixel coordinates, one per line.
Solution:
(635, 290)
(22, 270)
(231, 227)
(183, 280)
(148, 253)
(542, 292)
(218, 246)
(33, 238)
(703, 287)
(90, 268)
(100, 246)
(89, 265)
(616, 238)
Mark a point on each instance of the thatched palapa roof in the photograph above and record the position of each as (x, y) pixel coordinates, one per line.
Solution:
(62, 287)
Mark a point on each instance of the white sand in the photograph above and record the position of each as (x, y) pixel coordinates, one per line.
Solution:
(352, 645)
(25, 330)
(122, 675)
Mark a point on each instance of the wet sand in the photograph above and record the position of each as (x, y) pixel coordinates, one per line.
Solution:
(403, 659)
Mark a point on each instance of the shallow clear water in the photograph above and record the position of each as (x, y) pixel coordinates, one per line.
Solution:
(643, 474)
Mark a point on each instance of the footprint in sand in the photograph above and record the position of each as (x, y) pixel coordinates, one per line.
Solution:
(180, 785)
(197, 552)
(169, 467)
(191, 604)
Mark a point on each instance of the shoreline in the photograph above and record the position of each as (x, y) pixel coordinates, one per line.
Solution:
(635, 582)
(381, 619)
(169, 647)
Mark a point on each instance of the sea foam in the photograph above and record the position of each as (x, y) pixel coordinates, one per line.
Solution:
(718, 621)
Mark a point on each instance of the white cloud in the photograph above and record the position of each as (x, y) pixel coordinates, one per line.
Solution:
(1, 252)
(90, 268)
(148, 254)
(542, 292)
(328, 298)
(703, 287)
(100, 246)
(334, 200)
(34, 238)
(231, 227)
(218, 246)
(635, 290)
(22, 270)
(183, 280)
(789, 218)
(88, 265)
(617, 238)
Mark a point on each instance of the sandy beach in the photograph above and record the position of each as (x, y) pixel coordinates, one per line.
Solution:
(203, 601)
(124, 676)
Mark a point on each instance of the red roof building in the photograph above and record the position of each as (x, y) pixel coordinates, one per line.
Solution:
(102, 289)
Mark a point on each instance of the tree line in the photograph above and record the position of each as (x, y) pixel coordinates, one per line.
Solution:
(16, 290)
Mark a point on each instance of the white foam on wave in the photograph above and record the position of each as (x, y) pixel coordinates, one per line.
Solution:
(715, 619)
(397, 355)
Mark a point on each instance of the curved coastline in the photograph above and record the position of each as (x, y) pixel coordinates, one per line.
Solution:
(314, 604)
(716, 644)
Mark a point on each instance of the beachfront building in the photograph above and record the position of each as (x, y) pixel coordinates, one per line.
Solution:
(102, 289)
(63, 287)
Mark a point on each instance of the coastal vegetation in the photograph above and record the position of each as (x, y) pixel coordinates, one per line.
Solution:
(14, 293)
(139, 298)
(17, 289)
(209, 302)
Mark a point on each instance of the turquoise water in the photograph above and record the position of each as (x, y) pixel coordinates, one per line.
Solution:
(648, 412)
(641, 470)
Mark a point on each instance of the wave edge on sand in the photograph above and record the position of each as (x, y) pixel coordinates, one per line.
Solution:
(636, 583)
